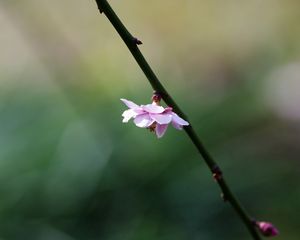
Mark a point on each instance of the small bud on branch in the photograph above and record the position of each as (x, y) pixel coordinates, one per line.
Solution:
(137, 41)
(156, 97)
(266, 228)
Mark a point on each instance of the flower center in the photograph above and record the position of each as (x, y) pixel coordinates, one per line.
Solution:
(152, 127)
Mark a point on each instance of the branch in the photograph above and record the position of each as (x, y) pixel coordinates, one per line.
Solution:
(132, 44)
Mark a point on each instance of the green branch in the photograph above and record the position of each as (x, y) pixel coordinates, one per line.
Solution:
(132, 44)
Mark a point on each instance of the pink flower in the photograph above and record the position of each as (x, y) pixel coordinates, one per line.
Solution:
(267, 229)
(152, 116)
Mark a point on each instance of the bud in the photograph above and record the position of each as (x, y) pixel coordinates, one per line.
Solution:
(156, 97)
(267, 229)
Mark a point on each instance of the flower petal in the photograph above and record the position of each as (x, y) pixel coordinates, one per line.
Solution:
(143, 120)
(178, 120)
(161, 129)
(176, 125)
(168, 109)
(152, 108)
(129, 104)
(128, 114)
(163, 118)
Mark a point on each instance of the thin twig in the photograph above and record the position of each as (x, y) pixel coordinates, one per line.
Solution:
(132, 43)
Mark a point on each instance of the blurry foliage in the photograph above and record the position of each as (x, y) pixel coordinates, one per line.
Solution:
(69, 169)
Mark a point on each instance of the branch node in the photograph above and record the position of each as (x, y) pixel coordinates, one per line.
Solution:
(137, 41)
(217, 173)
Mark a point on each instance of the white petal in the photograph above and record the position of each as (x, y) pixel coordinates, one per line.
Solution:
(160, 130)
(128, 114)
(143, 120)
(129, 104)
(178, 120)
(152, 108)
(163, 118)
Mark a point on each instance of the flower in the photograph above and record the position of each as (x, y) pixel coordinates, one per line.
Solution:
(267, 229)
(152, 116)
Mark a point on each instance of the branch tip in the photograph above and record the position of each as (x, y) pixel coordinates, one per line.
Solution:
(99, 7)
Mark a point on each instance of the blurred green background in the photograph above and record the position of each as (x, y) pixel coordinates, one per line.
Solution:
(70, 169)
